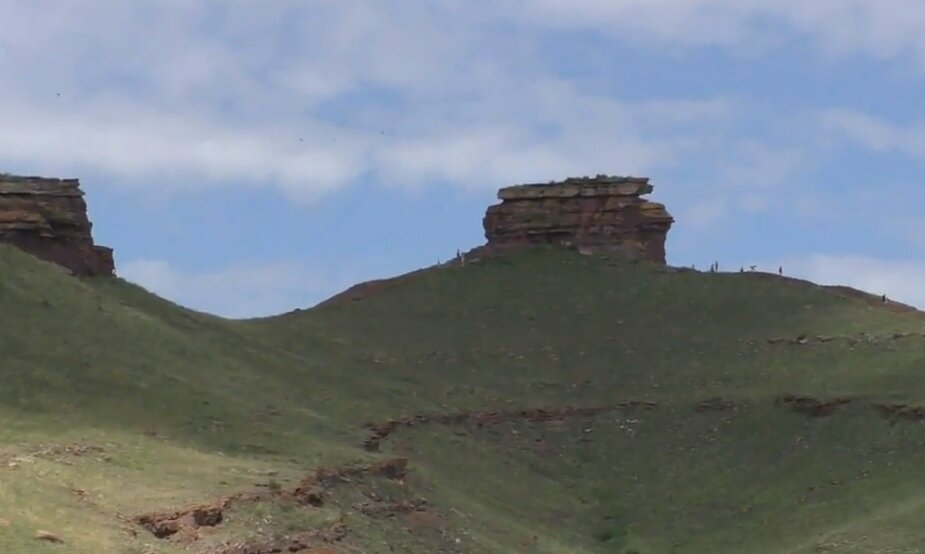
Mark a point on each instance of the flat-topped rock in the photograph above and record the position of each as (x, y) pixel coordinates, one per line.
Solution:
(48, 219)
(594, 214)
(579, 186)
(39, 186)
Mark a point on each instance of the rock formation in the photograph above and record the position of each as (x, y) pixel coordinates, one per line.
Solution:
(48, 219)
(593, 214)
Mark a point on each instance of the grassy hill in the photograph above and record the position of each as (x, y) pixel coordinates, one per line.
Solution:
(684, 412)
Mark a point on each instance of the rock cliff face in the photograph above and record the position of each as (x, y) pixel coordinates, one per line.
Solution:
(48, 219)
(593, 214)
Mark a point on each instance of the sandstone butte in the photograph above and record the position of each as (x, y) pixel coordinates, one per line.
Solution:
(602, 214)
(48, 219)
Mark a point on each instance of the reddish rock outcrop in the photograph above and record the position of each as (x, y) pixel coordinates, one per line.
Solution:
(594, 214)
(485, 418)
(48, 219)
(310, 491)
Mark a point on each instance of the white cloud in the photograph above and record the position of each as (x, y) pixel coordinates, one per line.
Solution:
(240, 290)
(882, 29)
(899, 279)
(131, 140)
(686, 22)
(874, 133)
(217, 93)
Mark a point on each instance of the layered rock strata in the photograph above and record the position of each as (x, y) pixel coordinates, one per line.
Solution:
(594, 214)
(48, 219)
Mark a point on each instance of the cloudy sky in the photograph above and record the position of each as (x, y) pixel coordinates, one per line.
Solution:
(249, 157)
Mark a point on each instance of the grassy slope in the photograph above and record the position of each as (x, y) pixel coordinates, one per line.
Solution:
(188, 407)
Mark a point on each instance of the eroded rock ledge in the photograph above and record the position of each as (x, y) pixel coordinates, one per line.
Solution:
(594, 214)
(48, 219)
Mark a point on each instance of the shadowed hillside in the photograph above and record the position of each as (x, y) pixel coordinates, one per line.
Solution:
(542, 401)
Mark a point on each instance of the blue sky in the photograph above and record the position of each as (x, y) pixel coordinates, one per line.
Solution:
(247, 158)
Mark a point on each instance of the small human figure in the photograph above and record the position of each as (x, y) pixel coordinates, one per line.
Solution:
(883, 298)
(780, 271)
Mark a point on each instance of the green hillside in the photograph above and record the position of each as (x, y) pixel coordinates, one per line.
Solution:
(682, 412)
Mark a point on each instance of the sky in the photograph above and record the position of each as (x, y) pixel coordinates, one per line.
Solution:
(249, 157)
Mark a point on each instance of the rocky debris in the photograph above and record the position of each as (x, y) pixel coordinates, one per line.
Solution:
(64, 453)
(163, 525)
(48, 219)
(814, 407)
(310, 491)
(80, 494)
(299, 542)
(850, 339)
(59, 453)
(378, 509)
(901, 411)
(718, 405)
(48, 536)
(823, 407)
(601, 214)
(382, 430)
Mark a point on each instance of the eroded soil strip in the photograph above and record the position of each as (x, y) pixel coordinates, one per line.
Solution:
(310, 491)
(894, 412)
(381, 431)
(850, 339)
(806, 405)
(823, 407)
(815, 407)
